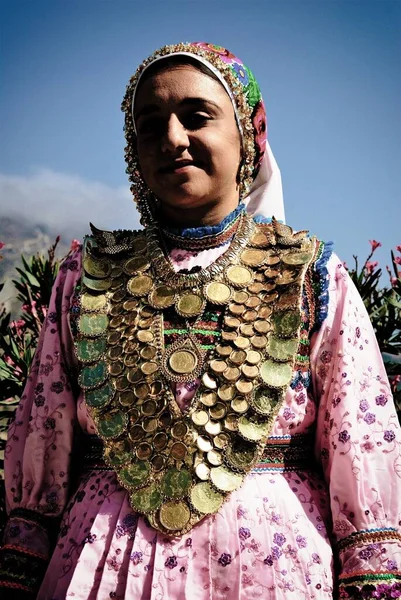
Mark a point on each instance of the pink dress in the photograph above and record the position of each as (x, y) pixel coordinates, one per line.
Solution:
(286, 534)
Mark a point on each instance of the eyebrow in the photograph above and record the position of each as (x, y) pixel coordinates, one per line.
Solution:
(151, 108)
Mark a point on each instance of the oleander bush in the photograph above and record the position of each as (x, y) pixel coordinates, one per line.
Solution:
(36, 275)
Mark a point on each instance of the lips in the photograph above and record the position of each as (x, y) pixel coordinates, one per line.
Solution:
(177, 165)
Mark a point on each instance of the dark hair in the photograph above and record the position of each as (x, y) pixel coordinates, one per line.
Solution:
(173, 61)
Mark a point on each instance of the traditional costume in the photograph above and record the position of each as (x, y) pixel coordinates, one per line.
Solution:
(207, 411)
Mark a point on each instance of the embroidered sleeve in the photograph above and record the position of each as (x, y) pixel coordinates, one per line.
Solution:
(38, 451)
(359, 444)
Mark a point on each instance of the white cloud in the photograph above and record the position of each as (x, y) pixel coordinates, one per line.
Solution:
(66, 203)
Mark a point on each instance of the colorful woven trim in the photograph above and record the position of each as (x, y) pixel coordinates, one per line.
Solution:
(282, 453)
(370, 586)
(203, 238)
(21, 570)
(369, 536)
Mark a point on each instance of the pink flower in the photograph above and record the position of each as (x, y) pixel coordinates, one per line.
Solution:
(371, 266)
(75, 245)
(374, 244)
(2, 244)
(397, 260)
(398, 248)
(393, 281)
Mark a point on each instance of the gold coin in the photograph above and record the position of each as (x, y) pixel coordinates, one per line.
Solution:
(144, 451)
(130, 346)
(253, 257)
(114, 337)
(114, 352)
(158, 462)
(131, 304)
(149, 408)
(236, 309)
(96, 267)
(208, 398)
(116, 322)
(253, 302)
(269, 287)
(214, 457)
(296, 258)
(147, 312)
(162, 297)
(116, 368)
(271, 272)
(121, 384)
(259, 277)
(155, 388)
(262, 326)
(256, 288)
(239, 405)
(232, 322)
(183, 361)
(218, 411)
(97, 285)
(287, 277)
(179, 430)
(140, 285)
(270, 297)
(130, 319)
(259, 239)
(134, 375)
(242, 342)
(224, 479)
(118, 295)
(202, 471)
(135, 264)
(252, 430)
(174, 515)
(213, 427)
(149, 424)
(160, 441)
(272, 259)
(209, 382)
(145, 323)
(141, 390)
(136, 433)
(117, 283)
(127, 398)
(231, 422)
(239, 276)
(90, 302)
(217, 292)
(250, 371)
(223, 350)
(238, 356)
(221, 440)
(140, 243)
(200, 417)
(178, 451)
(148, 368)
(246, 329)
(225, 392)
(203, 444)
(116, 271)
(116, 309)
(264, 312)
(231, 373)
(276, 374)
(145, 336)
(258, 341)
(240, 297)
(218, 366)
(148, 352)
(205, 499)
(134, 414)
(250, 315)
(229, 336)
(253, 357)
(244, 387)
(189, 304)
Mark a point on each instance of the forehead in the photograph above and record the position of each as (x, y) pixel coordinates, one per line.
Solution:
(177, 83)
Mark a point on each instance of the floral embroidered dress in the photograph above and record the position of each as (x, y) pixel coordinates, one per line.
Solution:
(321, 514)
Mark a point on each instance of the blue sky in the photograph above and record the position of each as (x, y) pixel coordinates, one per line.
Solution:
(330, 73)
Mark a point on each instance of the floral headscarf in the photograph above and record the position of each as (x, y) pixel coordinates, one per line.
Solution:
(243, 89)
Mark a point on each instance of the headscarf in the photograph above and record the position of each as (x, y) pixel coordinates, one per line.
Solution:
(259, 177)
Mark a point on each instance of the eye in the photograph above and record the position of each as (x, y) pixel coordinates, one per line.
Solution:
(195, 120)
(151, 126)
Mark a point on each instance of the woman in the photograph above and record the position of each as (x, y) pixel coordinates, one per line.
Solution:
(207, 412)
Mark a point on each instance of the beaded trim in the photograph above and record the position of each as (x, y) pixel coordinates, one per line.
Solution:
(368, 536)
(143, 196)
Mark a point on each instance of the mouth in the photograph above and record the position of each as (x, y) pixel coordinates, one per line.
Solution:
(178, 166)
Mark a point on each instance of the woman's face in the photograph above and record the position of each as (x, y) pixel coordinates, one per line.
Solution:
(188, 141)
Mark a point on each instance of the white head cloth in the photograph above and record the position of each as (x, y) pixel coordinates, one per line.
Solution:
(266, 196)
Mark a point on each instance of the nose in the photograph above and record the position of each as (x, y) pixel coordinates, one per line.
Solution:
(175, 136)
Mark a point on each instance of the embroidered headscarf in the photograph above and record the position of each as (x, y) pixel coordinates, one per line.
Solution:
(259, 176)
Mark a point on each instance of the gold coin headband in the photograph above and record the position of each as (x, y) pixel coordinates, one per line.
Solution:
(245, 95)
